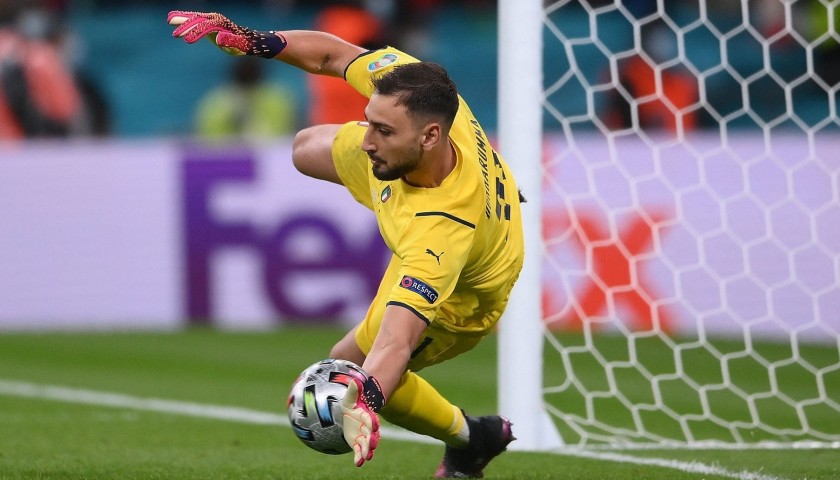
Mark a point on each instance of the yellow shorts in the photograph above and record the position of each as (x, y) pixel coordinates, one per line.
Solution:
(436, 345)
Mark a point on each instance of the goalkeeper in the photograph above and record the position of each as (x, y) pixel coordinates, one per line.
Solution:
(447, 207)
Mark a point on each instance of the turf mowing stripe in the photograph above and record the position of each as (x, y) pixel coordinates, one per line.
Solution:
(217, 412)
(244, 415)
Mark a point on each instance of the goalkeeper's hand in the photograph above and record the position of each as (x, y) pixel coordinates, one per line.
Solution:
(228, 36)
(360, 423)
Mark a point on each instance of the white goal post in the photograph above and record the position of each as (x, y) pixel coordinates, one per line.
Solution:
(681, 286)
(520, 137)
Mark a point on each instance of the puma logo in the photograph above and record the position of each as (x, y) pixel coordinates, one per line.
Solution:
(436, 255)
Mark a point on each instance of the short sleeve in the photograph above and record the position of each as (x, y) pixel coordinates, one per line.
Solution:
(351, 163)
(372, 64)
(433, 253)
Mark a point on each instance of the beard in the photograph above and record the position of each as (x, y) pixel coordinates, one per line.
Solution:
(407, 163)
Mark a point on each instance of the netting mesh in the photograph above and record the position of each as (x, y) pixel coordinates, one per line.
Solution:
(691, 221)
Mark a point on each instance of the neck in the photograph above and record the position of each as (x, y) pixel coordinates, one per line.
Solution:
(436, 165)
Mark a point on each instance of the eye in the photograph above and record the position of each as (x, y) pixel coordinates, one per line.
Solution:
(384, 131)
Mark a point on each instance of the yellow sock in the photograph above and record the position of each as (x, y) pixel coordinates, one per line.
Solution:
(417, 406)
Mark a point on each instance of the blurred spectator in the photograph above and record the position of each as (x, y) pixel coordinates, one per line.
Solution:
(827, 53)
(640, 8)
(768, 17)
(332, 99)
(246, 107)
(661, 95)
(41, 94)
(413, 21)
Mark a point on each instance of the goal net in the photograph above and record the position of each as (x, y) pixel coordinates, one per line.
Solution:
(683, 285)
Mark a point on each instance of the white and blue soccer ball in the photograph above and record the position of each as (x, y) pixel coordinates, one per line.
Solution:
(314, 404)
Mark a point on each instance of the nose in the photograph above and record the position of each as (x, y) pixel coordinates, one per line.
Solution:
(367, 145)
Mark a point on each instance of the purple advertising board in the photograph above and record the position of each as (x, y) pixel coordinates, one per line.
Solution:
(691, 237)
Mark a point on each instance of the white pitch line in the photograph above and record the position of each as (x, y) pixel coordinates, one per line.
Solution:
(688, 467)
(244, 415)
(118, 400)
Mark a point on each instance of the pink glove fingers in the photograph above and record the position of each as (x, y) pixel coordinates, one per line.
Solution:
(201, 30)
(177, 17)
(192, 19)
(192, 26)
(230, 40)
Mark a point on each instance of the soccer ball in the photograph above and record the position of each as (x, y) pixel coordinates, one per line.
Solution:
(314, 404)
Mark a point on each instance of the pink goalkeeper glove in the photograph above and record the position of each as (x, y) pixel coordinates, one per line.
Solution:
(225, 34)
(360, 423)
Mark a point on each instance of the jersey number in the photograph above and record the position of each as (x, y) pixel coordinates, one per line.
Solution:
(502, 207)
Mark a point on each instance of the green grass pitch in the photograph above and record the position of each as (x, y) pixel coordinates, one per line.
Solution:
(47, 439)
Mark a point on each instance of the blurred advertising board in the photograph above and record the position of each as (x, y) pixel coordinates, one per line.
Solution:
(687, 237)
(148, 235)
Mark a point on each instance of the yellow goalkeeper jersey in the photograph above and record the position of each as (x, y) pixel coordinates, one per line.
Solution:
(459, 245)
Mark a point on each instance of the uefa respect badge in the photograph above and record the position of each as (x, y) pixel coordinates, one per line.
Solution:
(419, 287)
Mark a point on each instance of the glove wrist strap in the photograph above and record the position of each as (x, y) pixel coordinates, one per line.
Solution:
(372, 395)
(267, 44)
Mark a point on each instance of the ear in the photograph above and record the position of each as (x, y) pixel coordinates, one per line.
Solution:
(432, 135)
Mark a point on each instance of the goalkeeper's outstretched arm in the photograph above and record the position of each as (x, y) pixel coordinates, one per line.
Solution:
(312, 51)
(318, 52)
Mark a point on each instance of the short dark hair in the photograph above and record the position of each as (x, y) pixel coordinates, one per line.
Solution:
(423, 88)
